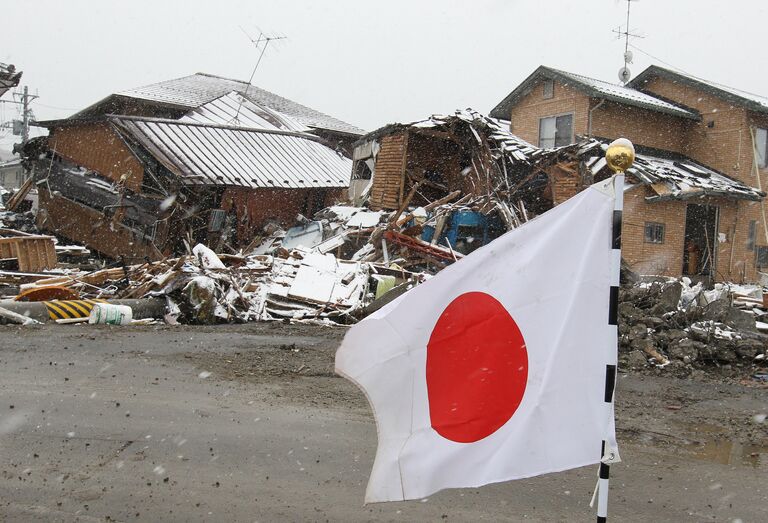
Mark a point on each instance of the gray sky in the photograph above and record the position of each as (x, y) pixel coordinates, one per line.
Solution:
(368, 63)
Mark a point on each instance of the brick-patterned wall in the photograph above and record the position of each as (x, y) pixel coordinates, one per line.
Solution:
(722, 140)
(652, 258)
(641, 126)
(530, 108)
(565, 183)
(725, 145)
(387, 187)
(98, 147)
(734, 262)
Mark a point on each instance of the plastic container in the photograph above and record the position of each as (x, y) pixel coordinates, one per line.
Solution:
(108, 314)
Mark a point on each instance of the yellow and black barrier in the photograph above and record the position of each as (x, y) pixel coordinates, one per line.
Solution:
(70, 309)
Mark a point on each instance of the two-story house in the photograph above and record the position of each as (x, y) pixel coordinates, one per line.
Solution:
(698, 131)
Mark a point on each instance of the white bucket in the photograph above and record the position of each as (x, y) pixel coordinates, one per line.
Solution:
(109, 314)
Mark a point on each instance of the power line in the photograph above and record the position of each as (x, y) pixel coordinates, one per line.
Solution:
(676, 68)
(54, 107)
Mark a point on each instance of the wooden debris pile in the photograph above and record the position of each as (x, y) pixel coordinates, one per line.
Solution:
(205, 288)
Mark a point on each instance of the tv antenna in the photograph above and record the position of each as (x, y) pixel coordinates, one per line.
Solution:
(262, 41)
(624, 72)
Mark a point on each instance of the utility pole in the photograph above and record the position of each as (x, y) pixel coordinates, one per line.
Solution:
(25, 116)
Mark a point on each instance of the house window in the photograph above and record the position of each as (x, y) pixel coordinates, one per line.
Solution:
(761, 142)
(654, 232)
(752, 235)
(761, 257)
(549, 88)
(556, 131)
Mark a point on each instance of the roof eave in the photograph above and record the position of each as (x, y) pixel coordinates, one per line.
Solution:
(655, 70)
(679, 113)
(702, 194)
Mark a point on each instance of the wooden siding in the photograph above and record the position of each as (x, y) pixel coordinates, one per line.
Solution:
(387, 188)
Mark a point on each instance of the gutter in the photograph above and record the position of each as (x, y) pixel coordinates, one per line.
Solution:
(589, 117)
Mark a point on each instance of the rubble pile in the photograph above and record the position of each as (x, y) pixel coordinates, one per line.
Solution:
(416, 239)
(673, 323)
(206, 288)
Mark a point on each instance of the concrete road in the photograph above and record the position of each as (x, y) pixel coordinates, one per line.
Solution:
(106, 424)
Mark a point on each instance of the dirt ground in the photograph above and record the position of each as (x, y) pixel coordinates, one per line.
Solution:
(93, 419)
(652, 405)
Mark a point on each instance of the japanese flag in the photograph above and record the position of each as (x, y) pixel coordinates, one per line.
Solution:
(495, 369)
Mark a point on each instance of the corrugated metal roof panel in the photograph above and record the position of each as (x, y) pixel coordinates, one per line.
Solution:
(233, 109)
(220, 155)
(198, 89)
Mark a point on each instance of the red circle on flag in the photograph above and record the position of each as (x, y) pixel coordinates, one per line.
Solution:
(477, 368)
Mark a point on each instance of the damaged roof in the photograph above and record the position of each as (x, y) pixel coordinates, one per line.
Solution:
(736, 96)
(497, 131)
(511, 145)
(208, 154)
(672, 176)
(201, 88)
(594, 88)
(235, 110)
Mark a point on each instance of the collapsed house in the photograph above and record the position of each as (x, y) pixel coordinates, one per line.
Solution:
(150, 172)
(464, 176)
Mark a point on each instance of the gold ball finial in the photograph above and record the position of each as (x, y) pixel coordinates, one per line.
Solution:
(620, 155)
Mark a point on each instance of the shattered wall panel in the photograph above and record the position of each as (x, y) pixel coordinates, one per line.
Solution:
(98, 147)
(89, 227)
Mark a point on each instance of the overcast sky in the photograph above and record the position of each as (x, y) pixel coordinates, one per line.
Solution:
(368, 63)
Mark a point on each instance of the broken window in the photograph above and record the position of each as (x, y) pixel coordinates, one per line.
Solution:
(654, 232)
(761, 143)
(216, 220)
(556, 131)
(362, 169)
(549, 88)
(752, 235)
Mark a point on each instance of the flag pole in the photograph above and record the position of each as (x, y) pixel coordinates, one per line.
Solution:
(620, 155)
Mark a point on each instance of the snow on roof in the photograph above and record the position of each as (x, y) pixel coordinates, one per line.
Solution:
(206, 154)
(628, 95)
(235, 110)
(511, 145)
(595, 88)
(200, 88)
(676, 177)
(751, 100)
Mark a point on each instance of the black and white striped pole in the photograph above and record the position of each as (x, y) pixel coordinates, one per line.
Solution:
(620, 155)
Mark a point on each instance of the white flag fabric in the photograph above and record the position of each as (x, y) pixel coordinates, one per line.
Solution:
(495, 369)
